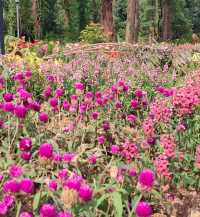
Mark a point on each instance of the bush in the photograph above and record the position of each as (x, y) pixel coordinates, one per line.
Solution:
(92, 34)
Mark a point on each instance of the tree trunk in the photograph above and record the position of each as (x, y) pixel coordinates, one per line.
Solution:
(167, 20)
(132, 21)
(107, 19)
(37, 23)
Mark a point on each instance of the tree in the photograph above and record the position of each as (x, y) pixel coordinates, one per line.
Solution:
(132, 21)
(107, 18)
(37, 23)
(167, 20)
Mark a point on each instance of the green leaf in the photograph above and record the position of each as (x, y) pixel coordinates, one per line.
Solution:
(117, 202)
(36, 201)
(101, 199)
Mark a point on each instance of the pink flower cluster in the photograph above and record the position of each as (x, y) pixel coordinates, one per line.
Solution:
(148, 127)
(159, 111)
(168, 143)
(186, 98)
(129, 150)
(161, 164)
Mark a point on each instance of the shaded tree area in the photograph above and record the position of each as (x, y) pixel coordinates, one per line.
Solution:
(148, 20)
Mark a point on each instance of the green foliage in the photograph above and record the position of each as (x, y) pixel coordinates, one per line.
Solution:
(93, 33)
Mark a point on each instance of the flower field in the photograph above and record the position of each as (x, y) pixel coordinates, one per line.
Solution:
(98, 134)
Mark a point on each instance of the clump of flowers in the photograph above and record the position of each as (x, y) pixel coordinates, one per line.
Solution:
(168, 143)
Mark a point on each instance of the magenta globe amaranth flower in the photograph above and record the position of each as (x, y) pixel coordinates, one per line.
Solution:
(15, 170)
(94, 115)
(47, 92)
(8, 97)
(48, 210)
(53, 185)
(8, 107)
(101, 140)
(46, 150)
(92, 159)
(25, 144)
(25, 155)
(62, 174)
(27, 186)
(146, 179)
(115, 149)
(43, 117)
(79, 86)
(8, 200)
(143, 209)
(59, 92)
(11, 186)
(132, 172)
(3, 208)
(65, 214)
(85, 193)
(68, 157)
(25, 214)
(74, 182)
(53, 102)
(139, 93)
(131, 118)
(20, 111)
(134, 104)
(66, 105)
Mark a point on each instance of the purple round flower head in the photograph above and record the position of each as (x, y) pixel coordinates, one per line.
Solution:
(92, 159)
(20, 111)
(132, 172)
(118, 105)
(25, 144)
(59, 92)
(131, 118)
(114, 149)
(139, 93)
(134, 104)
(106, 125)
(24, 94)
(53, 185)
(18, 76)
(15, 171)
(57, 157)
(79, 86)
(85, 193)
(83, 108)
(101, 140)
(8, 107)
(74, 98)
(50, 78)
(62, 174)
(68, 157)
(94, 115)
(66, 105)
(143, 209)
(74, 182)
(25, 155)
(47, 92)
(43, 117)
(27, 186)
(35, 106)
(11, 186)
(65, 214)
(48, 210)
(98, 94)
(3, 208)
(25, 214)
(89, 95)
(53, 102)
(46, 150)
(28, 74)
(146, 179)
(8, 200)
(8, 97)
